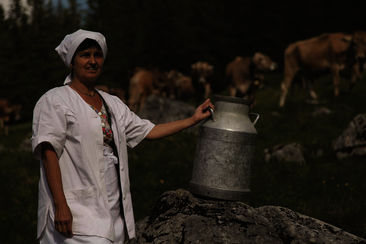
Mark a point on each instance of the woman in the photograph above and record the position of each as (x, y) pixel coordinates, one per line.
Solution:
(81, 135)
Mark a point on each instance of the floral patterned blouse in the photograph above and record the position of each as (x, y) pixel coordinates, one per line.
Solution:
(106, 128)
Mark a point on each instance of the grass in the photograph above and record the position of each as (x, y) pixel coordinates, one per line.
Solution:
(325, 188)
(19, 180)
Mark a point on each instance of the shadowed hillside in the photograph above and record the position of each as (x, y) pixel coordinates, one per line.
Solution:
(324, 187)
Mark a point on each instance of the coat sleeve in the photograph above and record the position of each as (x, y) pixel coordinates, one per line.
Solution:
(136, 129)
(49, 125)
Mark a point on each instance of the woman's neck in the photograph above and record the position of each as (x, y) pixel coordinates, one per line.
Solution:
(84, 88)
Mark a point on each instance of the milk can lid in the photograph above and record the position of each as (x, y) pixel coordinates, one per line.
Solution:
(231, 99)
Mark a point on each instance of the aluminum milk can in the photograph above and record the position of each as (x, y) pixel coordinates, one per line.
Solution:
(224, 151)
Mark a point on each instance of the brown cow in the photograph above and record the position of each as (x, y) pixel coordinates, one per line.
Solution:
(142, 84)
(179, 86)
(201, 73)
(333, 52)
(245, 74)
(8, 113)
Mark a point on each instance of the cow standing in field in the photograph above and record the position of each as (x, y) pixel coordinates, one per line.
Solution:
(245, 74)
(8, 114)
(142, 84)
(332, 52)
(202, 73)
(179, 86)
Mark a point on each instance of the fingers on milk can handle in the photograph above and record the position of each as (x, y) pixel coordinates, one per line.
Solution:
(212, 113)
(256, 117)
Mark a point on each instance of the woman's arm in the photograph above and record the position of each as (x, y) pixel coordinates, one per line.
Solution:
(166, 129)
(63, 216)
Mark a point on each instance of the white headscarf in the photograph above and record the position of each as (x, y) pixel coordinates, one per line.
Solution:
(71, 42)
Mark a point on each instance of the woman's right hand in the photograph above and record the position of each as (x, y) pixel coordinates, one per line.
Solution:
(63, 219)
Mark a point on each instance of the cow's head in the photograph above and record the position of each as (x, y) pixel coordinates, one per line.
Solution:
(263, 62)
(172, 75)
(359, 40)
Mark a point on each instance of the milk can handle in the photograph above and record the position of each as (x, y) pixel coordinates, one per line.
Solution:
(256, 118)
(212, 113)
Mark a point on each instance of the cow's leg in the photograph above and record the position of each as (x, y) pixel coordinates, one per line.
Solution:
(313, 94)
(285, 86)
(244, 87)
(173, 93)
(6, 122)
(142, 102)
(290, 72)
(291, 69)
(207, 90)
(336, 79)
(232, 91)
(310, 84)
(1, 125)
(356, 74)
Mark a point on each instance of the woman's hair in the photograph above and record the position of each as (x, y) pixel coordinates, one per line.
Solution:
(87, 43)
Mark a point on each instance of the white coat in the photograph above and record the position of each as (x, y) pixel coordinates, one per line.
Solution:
(62, 118)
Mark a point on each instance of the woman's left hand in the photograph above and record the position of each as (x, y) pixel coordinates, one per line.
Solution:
(202, 111)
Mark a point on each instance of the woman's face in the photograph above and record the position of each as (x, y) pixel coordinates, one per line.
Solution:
(87, 65)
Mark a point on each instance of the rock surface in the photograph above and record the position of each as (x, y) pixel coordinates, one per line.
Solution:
(321, 111)
(292, 152)
(352, 142)
(179, 217)
(161, 110)
(26, 144)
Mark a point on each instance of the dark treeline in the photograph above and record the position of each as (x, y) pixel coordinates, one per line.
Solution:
(161, 33)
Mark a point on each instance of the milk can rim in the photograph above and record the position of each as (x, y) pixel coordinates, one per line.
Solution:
(230, 99)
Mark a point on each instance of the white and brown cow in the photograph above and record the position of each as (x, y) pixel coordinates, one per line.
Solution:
(245, 74)
(331, 52)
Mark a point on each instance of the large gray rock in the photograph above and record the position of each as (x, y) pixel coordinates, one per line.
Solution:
(292, 152)
(179, 217)
(161, 109)
(352, 141)
(321, 111)
(26, 144)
